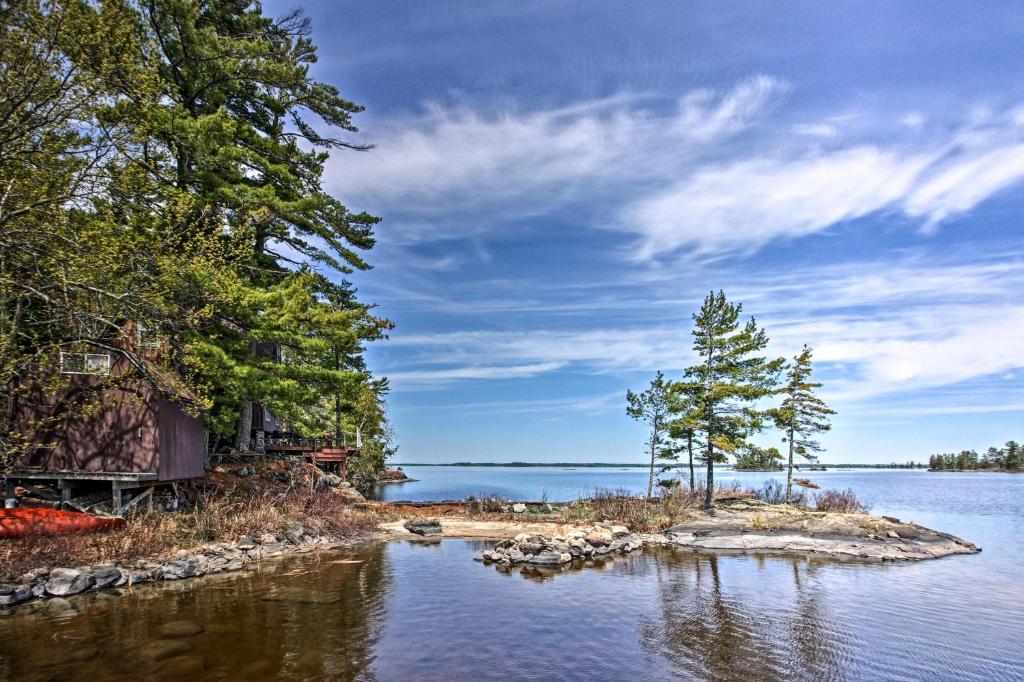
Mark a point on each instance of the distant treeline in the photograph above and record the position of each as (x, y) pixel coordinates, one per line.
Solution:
(1007, 458)
(595, 465)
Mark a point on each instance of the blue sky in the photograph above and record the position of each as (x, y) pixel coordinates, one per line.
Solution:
(562, 183)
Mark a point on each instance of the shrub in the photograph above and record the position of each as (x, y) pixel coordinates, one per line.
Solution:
(217, 516)
(843, 501)
(772, 492)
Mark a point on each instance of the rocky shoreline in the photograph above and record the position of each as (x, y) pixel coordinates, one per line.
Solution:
(744, 527)
(577, 544)
(224, 557)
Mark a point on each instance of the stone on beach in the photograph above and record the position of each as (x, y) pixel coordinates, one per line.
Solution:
(564, 546)
(63, 582)
(432, 527)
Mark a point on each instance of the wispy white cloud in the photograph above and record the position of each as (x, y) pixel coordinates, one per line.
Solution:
(718, 172)
(880, 328)
(435, 376)
(465, 162)
(744, 205)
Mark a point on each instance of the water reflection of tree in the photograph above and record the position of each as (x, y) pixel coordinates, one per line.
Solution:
(710, 631)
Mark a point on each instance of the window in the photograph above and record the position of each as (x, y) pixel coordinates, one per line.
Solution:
(84, 363)
(147, 336)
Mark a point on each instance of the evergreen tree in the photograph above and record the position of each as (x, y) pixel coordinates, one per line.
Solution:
(729, 380)
(802, 414)
(683, 427)
(1013, 455)
(235, 129)
(652, 407)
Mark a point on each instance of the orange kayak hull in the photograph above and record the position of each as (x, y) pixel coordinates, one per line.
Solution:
(19, 522)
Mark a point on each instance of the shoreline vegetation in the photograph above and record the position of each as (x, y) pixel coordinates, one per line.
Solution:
(1007, 459)
(634, 465)
(242, 515)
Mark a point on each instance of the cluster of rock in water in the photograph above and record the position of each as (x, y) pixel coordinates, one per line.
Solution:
(212, 558)
(577, 544)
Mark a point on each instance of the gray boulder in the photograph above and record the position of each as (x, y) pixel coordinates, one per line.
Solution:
(432, 527)
(105, 576)
(67, 581)
(549, 558)
(12, 595)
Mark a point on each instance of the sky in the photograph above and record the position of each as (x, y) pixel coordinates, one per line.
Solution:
(561, 183)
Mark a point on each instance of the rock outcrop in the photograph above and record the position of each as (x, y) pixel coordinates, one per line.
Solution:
(576, 544)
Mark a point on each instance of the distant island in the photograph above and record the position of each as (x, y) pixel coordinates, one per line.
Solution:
(1009, 458)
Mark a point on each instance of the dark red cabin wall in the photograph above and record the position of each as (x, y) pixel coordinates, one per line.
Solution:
(181, 443)
(117, 433)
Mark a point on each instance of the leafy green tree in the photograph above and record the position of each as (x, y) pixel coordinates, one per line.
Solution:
(651, 407)
(728, 381)
(802, 414)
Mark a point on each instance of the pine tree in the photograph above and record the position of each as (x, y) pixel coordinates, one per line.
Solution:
(1013, 454)
(802, 414)
(730, 378)
(683, 426)
(235, 129)
(652, 407)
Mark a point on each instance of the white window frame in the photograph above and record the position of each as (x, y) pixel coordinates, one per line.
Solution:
(86, 358)
(141, 329)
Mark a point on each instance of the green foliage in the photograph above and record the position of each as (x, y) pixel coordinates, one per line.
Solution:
(732, 375)
(755, 458)
(1009, 458)
(160, 164)
(802, 414)
(652, 407)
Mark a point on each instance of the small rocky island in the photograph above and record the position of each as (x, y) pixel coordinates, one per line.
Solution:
(740, 526)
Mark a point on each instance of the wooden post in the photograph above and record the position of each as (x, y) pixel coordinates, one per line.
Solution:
(9, 499)
(65, 492)
(115, 494)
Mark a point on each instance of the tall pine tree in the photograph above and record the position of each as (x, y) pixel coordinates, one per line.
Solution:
(802, 414)
(728, 381)
(652, 407)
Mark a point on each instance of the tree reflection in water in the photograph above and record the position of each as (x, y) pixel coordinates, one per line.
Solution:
(712, 629)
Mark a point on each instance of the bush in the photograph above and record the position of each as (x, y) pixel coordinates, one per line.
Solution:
(773, 492)
(221, 515)
(843, 501)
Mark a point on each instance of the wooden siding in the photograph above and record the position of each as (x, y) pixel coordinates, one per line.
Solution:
(126, 426)
(181, 443)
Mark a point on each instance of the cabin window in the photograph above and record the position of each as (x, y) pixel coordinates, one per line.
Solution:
(147, 336)
(84, 363)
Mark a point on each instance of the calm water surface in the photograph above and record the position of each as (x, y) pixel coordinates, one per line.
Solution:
(426, 611)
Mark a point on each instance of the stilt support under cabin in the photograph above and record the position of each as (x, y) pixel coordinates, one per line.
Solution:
(68, 481)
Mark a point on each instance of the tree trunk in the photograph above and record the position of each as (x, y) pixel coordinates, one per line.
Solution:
(789, 474)
(689, 449)
(654, 445)
(709, 494)
(337, 420)
(244, 426)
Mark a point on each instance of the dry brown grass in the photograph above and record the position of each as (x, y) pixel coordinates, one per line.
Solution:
(221, 513)
(640, 514)
(843, 501)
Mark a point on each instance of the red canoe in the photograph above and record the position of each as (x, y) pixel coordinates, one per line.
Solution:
(16, 523)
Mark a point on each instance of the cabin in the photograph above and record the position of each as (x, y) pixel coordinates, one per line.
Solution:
(106, 414)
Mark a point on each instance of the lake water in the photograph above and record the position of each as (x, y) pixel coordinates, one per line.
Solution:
(426, 611)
